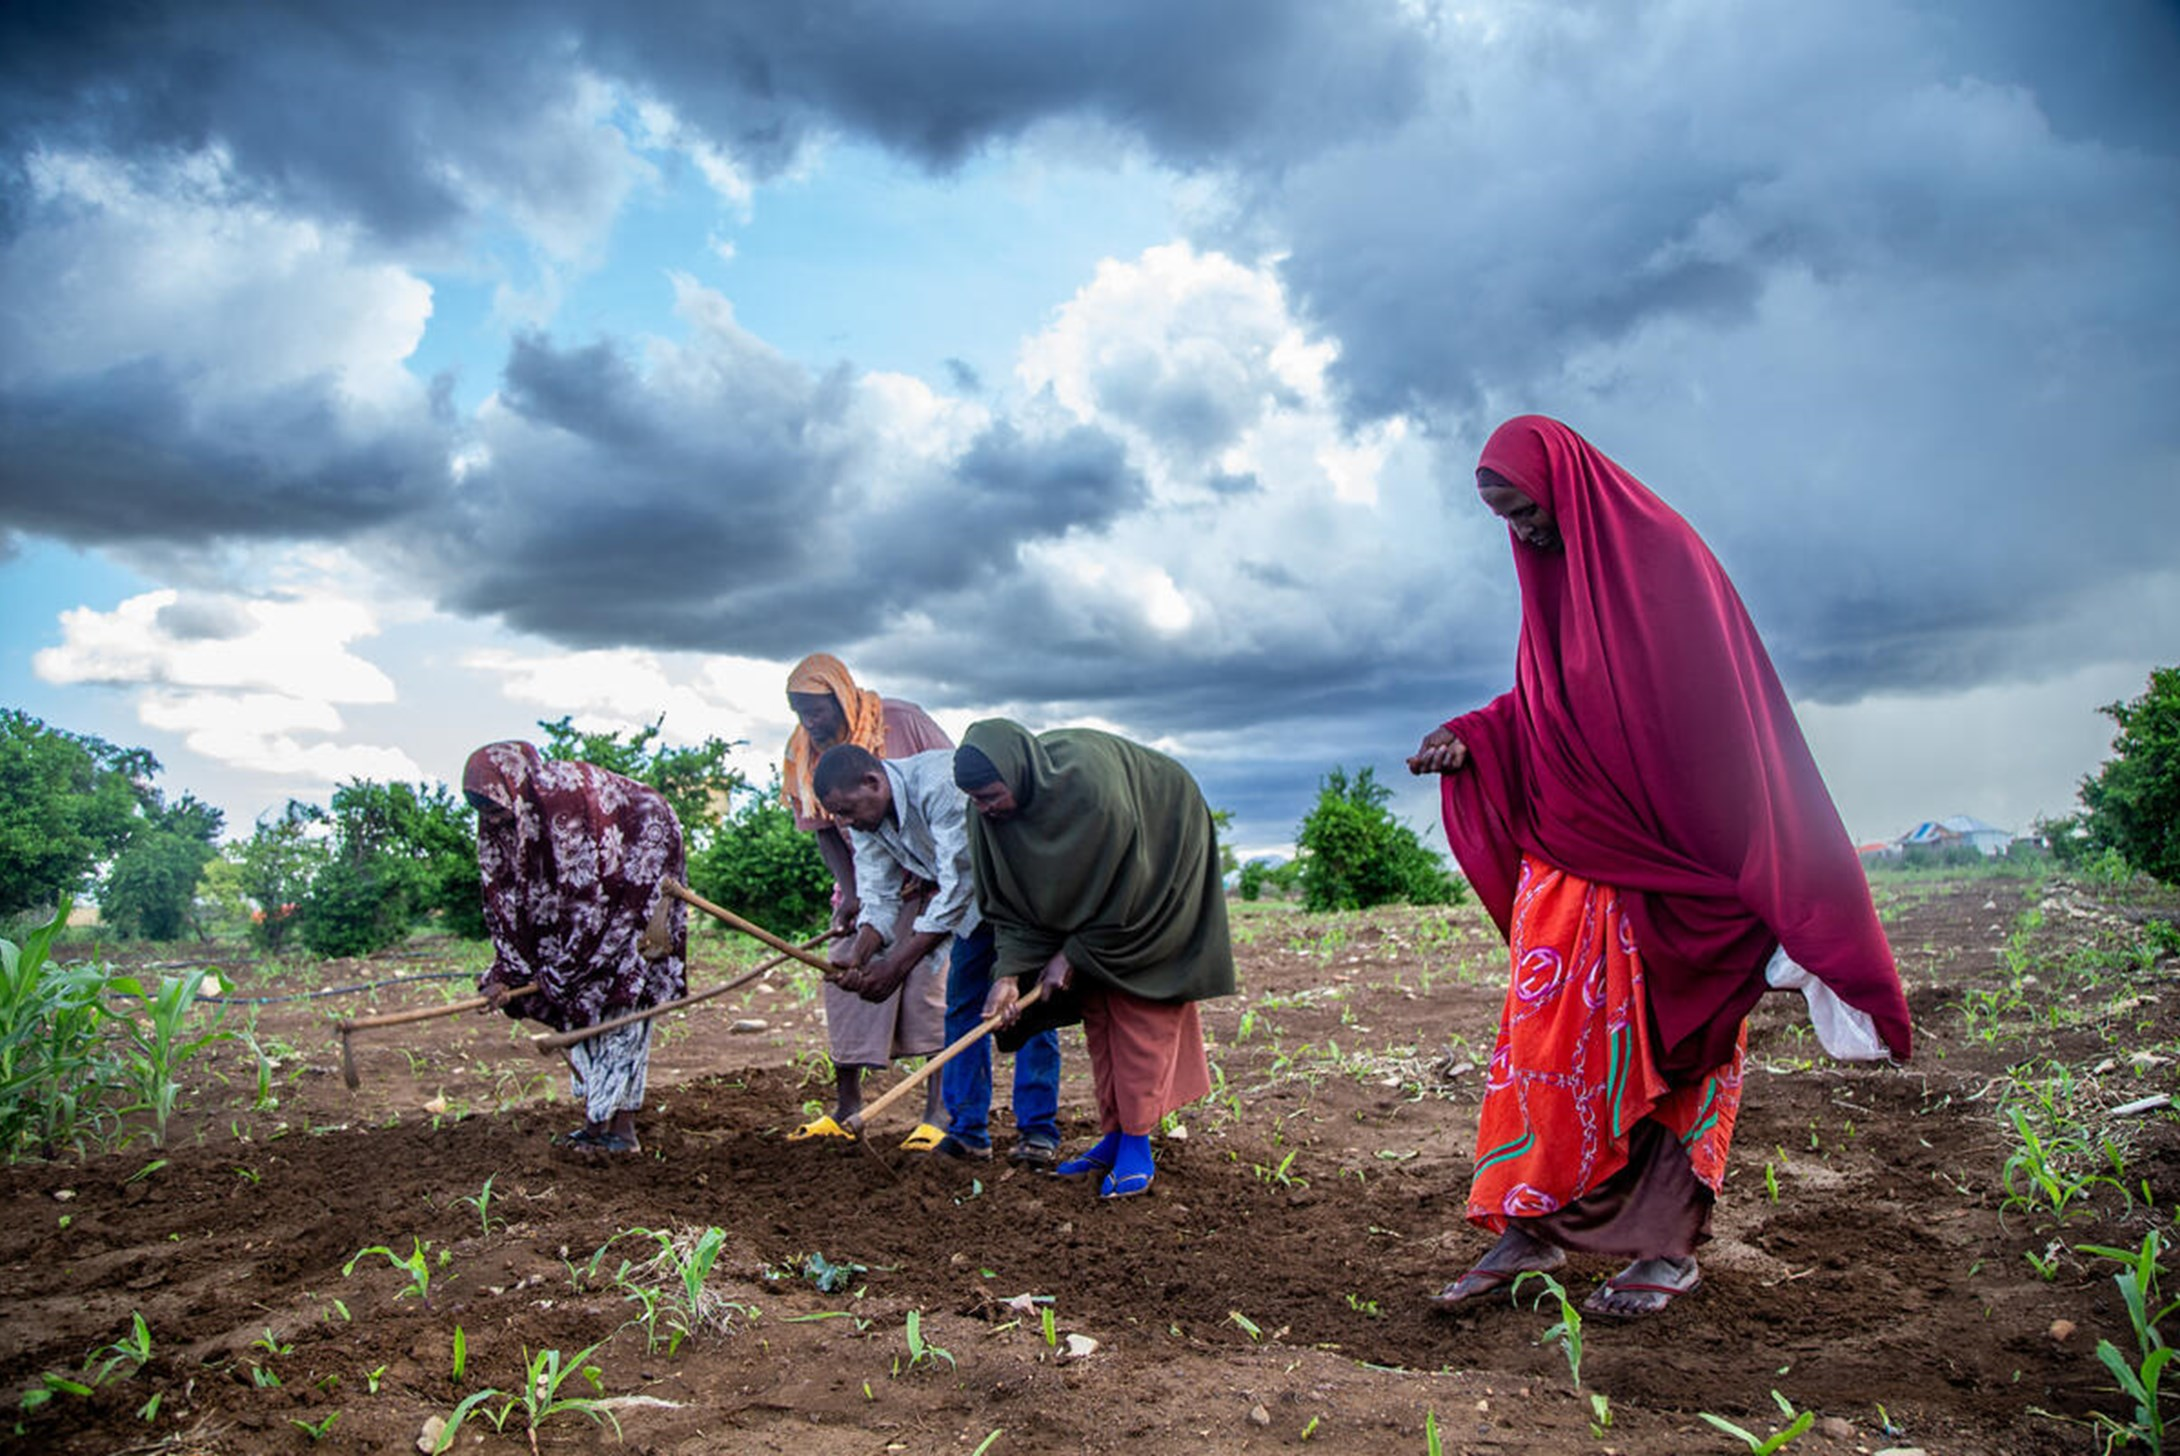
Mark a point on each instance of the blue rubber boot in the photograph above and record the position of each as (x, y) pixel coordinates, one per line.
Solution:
(1133, 1168)
(1097, 1158)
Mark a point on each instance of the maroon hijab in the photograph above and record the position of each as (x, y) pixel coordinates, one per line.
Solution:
(570, 882)
(1647, 745)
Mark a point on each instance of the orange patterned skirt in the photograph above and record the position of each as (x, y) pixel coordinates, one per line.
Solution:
(1573, 1073)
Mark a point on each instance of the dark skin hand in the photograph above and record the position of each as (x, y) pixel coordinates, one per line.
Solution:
(1005, 1000)
(1440, 752)
(874, 976)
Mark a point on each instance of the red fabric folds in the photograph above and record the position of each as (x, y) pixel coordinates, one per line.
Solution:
(1647, 745)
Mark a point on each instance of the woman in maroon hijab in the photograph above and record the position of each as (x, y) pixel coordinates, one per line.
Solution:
(1643, 820)
(572, 857)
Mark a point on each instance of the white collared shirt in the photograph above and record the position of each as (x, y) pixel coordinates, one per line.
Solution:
(927, 836)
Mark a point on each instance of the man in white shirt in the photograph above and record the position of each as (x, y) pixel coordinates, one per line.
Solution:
(907, 815)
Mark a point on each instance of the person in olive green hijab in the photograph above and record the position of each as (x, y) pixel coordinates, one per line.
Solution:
(1097, 868)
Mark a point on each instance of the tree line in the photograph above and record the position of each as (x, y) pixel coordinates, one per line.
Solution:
(358, 874)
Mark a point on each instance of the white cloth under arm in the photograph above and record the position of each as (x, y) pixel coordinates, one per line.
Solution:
(1844, 1032)
(928, 836)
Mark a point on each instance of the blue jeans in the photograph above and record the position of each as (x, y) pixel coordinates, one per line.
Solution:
(966, 1081)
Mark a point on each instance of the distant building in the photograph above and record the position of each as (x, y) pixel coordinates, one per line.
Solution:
(1961, 831)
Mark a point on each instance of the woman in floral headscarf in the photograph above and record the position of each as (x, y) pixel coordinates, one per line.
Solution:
(572, 858)
(1643, 820)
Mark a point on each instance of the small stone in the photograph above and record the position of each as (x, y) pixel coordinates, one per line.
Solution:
(1079, 1347)
(2062, 1330)
(1179, 1134)
(749, 1026)
(428, 1442)
(437, 1106)
(1835, 1429)
(1259, 1416)
(63, 1195)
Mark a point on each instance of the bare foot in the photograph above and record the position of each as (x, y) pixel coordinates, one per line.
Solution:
(1515, 1254)
(1644, 1287)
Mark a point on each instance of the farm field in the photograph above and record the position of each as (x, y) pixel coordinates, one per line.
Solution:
(1892, 1253)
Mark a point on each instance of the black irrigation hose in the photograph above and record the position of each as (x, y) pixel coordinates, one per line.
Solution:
(342, 990)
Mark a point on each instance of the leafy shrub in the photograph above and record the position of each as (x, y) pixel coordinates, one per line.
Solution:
(762, 867)
(1354, 854)
(354, 908)
(2132, 804)
(275, 866)
(400, 852)
(67, 801)
(150, 890)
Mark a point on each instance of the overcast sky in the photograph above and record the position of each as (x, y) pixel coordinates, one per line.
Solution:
(378, 380)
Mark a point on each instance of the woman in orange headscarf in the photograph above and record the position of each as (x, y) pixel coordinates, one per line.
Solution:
(831, 710)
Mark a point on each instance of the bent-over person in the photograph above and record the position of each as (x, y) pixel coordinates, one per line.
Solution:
(830, 709)
(908, 819)
(1097, 867)
(572, 857)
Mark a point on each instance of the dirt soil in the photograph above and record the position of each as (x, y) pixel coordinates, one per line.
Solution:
(1270, 1294)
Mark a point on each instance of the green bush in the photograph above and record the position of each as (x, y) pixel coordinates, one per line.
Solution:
(399, 852)
(150, 890)
(275, 866)
(2132, 804)
(355, 908)
(764, 869)
(1354, 854)
(67, 801)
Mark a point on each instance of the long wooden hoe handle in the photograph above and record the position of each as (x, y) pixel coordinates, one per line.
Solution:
(916, 1078)
(403, 1018)
(688, 896)
(553, 1041)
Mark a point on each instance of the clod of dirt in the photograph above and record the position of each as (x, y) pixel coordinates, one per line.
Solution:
(1835, 1429)
(428, 1442)
(2062, 1329)
(1259, 1416)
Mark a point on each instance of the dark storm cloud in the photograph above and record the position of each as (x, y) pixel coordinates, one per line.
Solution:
(1881, 295)
(1873, 293)
(394, 113)
(730, 502)
(134, 454)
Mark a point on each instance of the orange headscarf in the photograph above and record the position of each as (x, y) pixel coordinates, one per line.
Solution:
(821, 672)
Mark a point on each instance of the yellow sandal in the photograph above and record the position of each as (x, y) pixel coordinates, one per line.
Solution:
(923, 1139)
(824, 1127)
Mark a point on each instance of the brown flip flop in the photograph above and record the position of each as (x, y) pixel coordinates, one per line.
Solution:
(1474, 1285)
(1638, 1286)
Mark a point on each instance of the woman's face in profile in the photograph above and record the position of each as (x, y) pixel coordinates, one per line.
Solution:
(1531, 524)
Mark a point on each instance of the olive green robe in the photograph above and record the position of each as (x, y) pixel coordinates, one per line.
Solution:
(1111, 856)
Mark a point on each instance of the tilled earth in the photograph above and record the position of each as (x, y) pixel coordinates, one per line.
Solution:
(1270, 1294)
